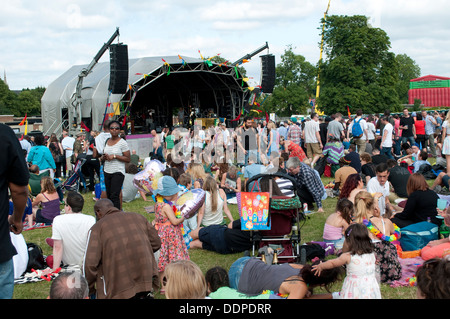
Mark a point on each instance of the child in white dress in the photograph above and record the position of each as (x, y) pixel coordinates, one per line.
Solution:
(359, 257)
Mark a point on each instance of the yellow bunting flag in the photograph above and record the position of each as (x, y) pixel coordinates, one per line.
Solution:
(116, 107)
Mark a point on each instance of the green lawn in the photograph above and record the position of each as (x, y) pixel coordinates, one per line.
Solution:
(311, 231)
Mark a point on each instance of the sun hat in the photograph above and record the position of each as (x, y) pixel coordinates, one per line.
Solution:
(167, 186)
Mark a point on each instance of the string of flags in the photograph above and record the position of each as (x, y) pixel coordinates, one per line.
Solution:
(117, 107)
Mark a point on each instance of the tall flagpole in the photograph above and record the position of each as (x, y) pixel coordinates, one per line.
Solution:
(320, 59)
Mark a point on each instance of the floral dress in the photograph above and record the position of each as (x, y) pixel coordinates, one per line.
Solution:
(173, 246)
(361, 280)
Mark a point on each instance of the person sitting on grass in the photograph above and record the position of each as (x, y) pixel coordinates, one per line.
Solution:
(70, 233)
(49, 201)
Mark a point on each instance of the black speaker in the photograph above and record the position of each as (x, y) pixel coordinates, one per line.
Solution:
(267, 73)
(118, 77)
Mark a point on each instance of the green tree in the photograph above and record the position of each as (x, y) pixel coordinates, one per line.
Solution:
(27, 102)
(408, 70)
(359, 70)
(294, 85)
(7, 99)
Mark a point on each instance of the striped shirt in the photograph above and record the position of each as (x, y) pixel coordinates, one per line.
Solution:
(115, 165)
(294, 134)
(286, 187)
(334, 151)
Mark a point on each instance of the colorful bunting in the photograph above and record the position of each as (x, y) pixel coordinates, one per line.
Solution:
(182, 60)
(116, 107)
(239, 116)
(168, 66)
(201, 56)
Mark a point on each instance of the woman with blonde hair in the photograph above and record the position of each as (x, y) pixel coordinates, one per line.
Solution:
(366, 206)
(183, 279)
(215, 205)
(197, 171)
(48, 200)
(382, 232)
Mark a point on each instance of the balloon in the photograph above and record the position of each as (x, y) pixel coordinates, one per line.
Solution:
(146, 180)
(190, 202)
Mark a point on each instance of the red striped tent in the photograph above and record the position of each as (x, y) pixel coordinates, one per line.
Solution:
(432, 90)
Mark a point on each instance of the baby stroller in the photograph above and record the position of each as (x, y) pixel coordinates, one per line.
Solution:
(285, 216)
(77, 178)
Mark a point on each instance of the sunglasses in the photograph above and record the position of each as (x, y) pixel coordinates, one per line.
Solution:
(114, 128)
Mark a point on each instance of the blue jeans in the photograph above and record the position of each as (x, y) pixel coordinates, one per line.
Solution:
(398, 146)
(7, 279)
(251, 152)
(387, 152)
(234, 274)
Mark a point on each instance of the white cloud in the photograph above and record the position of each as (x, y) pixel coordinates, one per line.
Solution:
(42, 39)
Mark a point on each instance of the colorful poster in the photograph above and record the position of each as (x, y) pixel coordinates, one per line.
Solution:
(254, 210)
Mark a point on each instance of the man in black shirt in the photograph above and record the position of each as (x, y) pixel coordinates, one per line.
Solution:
(398, 177)
(354, 158)
(14, 177)
(407, 127)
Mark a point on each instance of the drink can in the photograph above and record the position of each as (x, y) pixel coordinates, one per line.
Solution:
(305, 207)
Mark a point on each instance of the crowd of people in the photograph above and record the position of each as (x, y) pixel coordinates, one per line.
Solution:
(378, 169)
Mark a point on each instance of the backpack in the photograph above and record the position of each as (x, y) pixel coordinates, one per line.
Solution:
(36, 258)
(357, 130)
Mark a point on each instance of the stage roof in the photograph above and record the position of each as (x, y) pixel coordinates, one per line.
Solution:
(186, 73)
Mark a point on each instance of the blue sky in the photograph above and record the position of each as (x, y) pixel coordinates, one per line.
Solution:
(42, 39)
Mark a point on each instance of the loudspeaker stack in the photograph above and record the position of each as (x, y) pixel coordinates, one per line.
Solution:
(267, 73)
(118, 78)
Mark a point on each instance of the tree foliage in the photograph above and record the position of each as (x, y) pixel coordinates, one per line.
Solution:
(27, 101)
(359, 69)
(294, 85)
(407, 70)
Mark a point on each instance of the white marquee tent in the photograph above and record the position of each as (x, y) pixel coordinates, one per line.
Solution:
(59, 97)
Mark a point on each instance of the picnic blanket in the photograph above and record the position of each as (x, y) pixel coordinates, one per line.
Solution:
(38, 275)
(37, 226)
(409, 268)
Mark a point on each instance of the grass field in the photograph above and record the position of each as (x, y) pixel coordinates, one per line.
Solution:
(311, 231)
